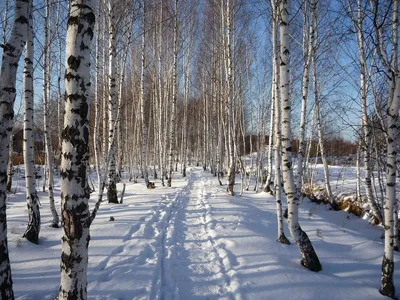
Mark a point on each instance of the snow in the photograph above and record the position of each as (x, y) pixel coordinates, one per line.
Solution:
(193, 241)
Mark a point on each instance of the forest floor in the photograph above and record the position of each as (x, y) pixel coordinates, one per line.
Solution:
(193, 241)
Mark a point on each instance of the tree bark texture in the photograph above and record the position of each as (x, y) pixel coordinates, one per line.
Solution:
(9, 64)
(112, 106)
(309, 257)
(32, 200)
(75, 144)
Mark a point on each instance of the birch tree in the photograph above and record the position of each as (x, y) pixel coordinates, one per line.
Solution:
(227, 19)
(317, 100)
(365, 144)
(32, 199)
(309, 257)
(277, 127)
(307, 49)
(47, 138)
(145, 136)
(387, 286)
(174, 97)
(75, 143)
(12, 50)
(112, 103)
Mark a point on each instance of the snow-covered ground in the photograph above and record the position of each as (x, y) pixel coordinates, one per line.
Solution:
(192, 241)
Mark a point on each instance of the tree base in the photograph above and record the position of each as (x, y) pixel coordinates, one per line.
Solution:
(169, 182)
(387, 286)
(112, 193)
(267, 188)
(283, 239)
(309, 256)
(32, 235)
(230, 191)
(151, 185)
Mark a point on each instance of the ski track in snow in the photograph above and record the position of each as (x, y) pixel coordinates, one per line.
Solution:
(198, 257)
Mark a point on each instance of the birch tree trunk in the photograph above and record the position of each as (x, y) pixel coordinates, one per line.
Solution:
(309, 257)
(314, 42)
(112, 104)
(47, 138)
(229, 101)
(390, 206)
(174, 97)
(59, 77)
(32, 200)
(142, 104)
(387, 286)
(10, 163)
(366, 130)
(307, 48)
(271, 137)
(97, 99)
(75, 145)
(395, 67)
(277, 128)
(11, 147)
(9, 64)
(5, 23)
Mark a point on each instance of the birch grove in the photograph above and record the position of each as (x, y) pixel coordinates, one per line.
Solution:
(261, 95)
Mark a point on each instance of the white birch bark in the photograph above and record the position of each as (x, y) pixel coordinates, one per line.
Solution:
(10, 163)
(390, 207)
(271, 135)
(32, 200)
(229, 100)
(358, 175)
(144, 144)
(12, 50)
(112, 104)
(186, 92)
(387, 286)
(366, 130)
(395, 67)
(4, 22)
(307, 48)
(277, 128)
(314, 42)
(174, 97)
(309, 257)
(59, 93)
(97, 99)
(75, 144)
(48, 144)
(160, 97)
(11, 147)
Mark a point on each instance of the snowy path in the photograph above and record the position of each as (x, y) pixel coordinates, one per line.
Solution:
(193, 241)
(202, 267)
